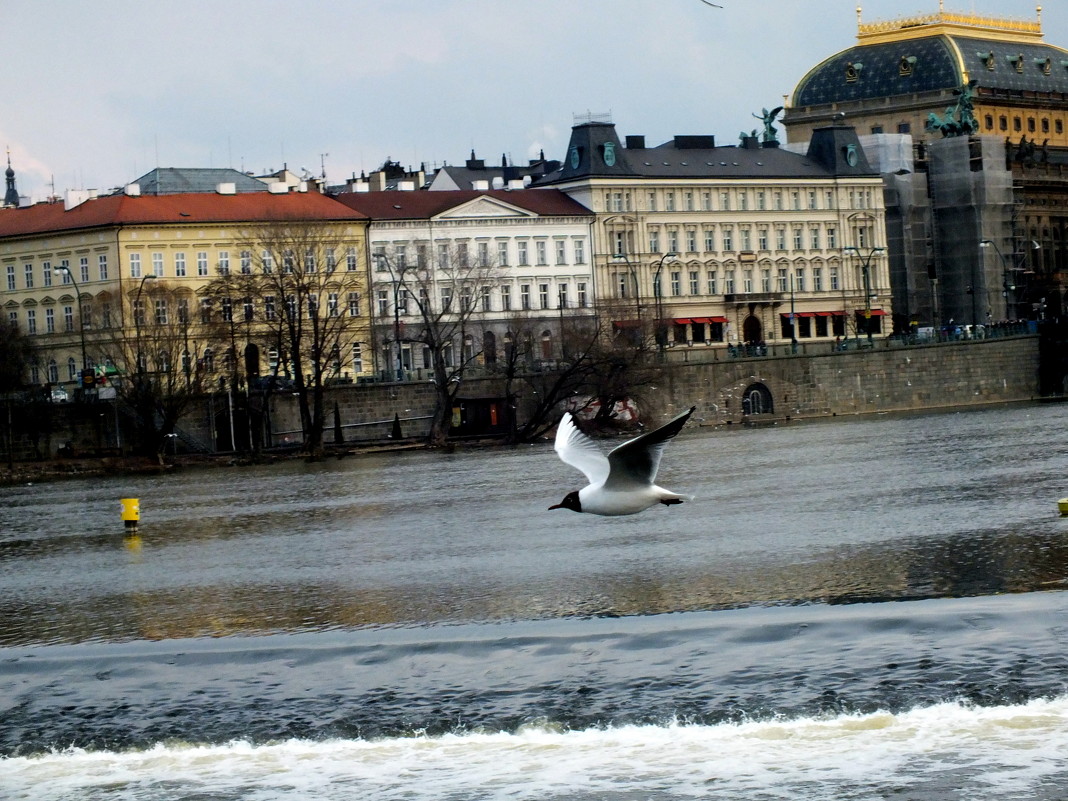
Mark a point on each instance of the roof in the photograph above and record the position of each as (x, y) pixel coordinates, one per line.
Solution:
(936, 53)
(178, 180)
(421, 205)
(185, 209)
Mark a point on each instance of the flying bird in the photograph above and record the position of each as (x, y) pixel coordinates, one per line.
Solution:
(622, 482)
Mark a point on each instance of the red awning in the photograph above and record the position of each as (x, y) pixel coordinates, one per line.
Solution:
(717, 320)
(798, 314)
(682, 321)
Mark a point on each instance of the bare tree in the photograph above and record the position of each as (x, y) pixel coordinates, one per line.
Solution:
(298, 294)
(444, 293)
(159, 372)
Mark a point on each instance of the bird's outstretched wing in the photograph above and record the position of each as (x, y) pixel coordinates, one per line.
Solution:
(635, 462)
(579, 451)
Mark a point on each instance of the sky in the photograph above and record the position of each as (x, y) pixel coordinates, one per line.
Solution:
(96, 94)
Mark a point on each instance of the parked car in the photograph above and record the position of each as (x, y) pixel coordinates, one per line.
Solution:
(59, 395)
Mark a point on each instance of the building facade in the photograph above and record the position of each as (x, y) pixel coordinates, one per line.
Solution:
(497, 270)
(989, 80)
(702, 245)
(86, 278)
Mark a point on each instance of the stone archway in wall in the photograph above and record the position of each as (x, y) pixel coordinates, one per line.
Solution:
(752, 330)
(757, 399)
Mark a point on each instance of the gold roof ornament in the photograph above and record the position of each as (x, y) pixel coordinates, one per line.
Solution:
(950, 22)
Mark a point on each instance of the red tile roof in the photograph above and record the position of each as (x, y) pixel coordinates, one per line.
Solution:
(423, 204)
(193, 208)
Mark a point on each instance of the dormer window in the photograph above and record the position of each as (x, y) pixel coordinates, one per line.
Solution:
(906, 66)
(853, 70)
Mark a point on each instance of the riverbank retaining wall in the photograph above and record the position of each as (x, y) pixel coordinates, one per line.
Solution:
(725, 390)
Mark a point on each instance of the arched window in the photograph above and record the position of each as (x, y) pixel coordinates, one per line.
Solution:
(53, 372)
(489, 347)
(72, 369)
(546, 345)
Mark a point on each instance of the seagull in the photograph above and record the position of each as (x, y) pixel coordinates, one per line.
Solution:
(622, 482)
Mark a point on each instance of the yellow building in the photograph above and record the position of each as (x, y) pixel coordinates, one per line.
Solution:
(85, 278)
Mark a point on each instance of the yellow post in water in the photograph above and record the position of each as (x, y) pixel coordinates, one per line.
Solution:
(1062, 504)
(131, 513)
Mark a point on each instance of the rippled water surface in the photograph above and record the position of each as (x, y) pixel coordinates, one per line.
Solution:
(416, 624)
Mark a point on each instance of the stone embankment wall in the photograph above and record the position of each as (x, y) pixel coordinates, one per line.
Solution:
(882, 379)
(867, 381)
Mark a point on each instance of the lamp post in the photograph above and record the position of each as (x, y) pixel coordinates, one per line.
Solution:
(658, 295)
(865, 259)
(1008, 280)
(137, 317)
(64, 270)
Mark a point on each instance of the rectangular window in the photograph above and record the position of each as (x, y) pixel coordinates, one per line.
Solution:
(688, 201)
(357, 358)
(728, 282)
(157, 263)
(812, 198)
(817, 279)
(31, 321)
(524, 260)
(673, 241)
(695, 283)
(183, 310)
(350, 259)
(268, 307)
(83, 268)
(179, 265)
(783, 280)
(105, 315)
(765, 280)
(711, 282)
(446, 298)
(652, 201)
(543, 296)
(506, 298)
(524, 297)
(135, 265)
(581, 295)
(502, 254)
(354, 304)
(691, 240)
(780, 239)
(832, 239)
(486, 297)
(561, 251)
(227, 310)
(578, 246)
(762, 200)
(246, 262)
(161, 311)
(747, 281)
(743, 200)
(669, 201)
(762, 238)
(561, 296)
(799, 279)
(814, 238)
(728, 239)
(50, 321)
(102, 266)
(28, 270)
(46, 273)
(13, 319)
(710, 240)
(202, 262)
(483, 254)
(11, 277)
(706, 201)
(798, 241)
(654, 242)
(383, 302)
(543, 258)
(331, 261)
(834, 279)
(725, 201)
(311, 263)
(68, 318)
(676, 283)
(747, 241)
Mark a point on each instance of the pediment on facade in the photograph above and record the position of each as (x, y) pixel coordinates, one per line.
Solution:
(484, 207)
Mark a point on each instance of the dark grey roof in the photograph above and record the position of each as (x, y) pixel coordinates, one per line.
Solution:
(667, 161)
(180, 180)
(936, 67)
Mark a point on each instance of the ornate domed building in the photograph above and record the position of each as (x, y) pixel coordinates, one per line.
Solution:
(985, 102)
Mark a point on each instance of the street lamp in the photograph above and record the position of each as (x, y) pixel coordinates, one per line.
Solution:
(866, 267)
(1008, 281)
(65, 270)
(658, 294)
(137, 317)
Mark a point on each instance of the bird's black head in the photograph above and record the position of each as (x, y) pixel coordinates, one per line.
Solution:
(570, 501)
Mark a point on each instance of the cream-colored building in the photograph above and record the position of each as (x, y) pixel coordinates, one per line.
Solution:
(81, 277)
(729, 244)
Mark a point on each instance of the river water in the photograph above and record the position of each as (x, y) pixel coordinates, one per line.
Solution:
(860, 609)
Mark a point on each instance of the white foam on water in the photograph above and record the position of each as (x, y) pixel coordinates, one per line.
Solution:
(1007, 750)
